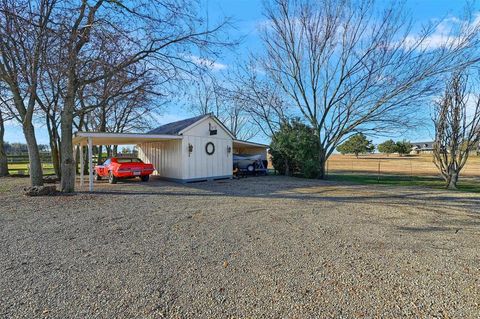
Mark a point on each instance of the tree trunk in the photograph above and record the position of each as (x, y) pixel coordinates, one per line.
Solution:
(55, 154)
(99, 156)
(54, 149)
(287, 168)
(3, 155)
(68, 165)
(36, 173)
(452, 180)
(322, 162)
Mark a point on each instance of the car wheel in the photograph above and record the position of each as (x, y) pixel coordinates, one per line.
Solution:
(111, 178)
(96, 176)
(251, 168)
(145, 178)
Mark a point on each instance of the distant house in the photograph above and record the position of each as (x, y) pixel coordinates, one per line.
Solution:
(427, 147)
(422, 147)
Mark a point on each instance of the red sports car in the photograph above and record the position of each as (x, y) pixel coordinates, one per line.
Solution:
(123, 167)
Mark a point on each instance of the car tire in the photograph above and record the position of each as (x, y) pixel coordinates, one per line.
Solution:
(111, 178)
(250, 168)
(145, 178)
(96, 176)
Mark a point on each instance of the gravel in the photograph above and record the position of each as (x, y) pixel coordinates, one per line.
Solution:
(266, 247)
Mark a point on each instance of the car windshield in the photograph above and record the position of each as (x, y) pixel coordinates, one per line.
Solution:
(129, 160)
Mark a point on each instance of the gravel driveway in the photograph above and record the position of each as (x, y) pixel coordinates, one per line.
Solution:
(267, 247)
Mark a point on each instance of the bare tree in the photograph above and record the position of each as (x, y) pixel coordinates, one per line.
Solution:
(259, 99)
(457, 129)
(348, 66)
(49, 99)
(3, 154)
(23, 29)
(206, 96)
(123, 102)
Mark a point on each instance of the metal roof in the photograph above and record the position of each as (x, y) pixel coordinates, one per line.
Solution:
(102, 138)
(175, 128)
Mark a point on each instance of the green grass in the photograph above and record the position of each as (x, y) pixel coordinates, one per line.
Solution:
(466, 185)
(14, 168)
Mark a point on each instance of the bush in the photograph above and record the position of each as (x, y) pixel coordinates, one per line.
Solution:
(294, 149)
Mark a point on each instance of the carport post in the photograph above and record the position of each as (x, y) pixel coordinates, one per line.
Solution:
(82, 165)
(90, 164)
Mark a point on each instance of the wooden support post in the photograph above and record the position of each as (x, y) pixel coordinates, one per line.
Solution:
(82, 166)
(75, 149)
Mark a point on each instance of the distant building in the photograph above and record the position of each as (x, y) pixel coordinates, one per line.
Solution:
(422, 147)
(427, 147)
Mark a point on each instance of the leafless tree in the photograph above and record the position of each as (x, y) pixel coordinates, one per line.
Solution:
(3, 119)
(457, 128)
(49, 99)
(123, 102)
(259, 101)
(213, 94)
(351, 66)
(206, 95)
(23, 34)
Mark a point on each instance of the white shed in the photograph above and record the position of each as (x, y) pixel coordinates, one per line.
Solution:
(203, 153)
(194, 149)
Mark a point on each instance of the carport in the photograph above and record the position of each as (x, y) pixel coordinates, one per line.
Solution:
(81, 139)
(251, 148)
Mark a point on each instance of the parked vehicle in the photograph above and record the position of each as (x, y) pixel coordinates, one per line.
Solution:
(116, 168)
(249, 164)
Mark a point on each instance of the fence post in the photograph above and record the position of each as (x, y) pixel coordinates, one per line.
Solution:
(411, 170)
(378, 174)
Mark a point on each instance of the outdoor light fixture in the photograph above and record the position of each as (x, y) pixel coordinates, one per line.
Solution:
(212, 129)
(190, 149)
(229, 149)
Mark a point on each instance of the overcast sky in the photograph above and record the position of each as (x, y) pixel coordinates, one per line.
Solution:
(247, 16)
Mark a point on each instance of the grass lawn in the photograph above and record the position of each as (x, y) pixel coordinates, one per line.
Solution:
(465, 184)
(14, 168)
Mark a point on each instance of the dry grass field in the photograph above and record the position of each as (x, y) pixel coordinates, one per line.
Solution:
(414, 165)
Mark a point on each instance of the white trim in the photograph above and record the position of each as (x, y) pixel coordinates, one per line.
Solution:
(81, 137)
(82, 165)
(90, 164)
(246, 143)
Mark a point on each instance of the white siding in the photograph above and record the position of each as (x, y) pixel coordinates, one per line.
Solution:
(166, 157)
(199, 164)
(201, 128)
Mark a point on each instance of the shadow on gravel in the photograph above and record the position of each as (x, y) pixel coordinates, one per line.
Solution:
(300, 189)
(427, 229)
